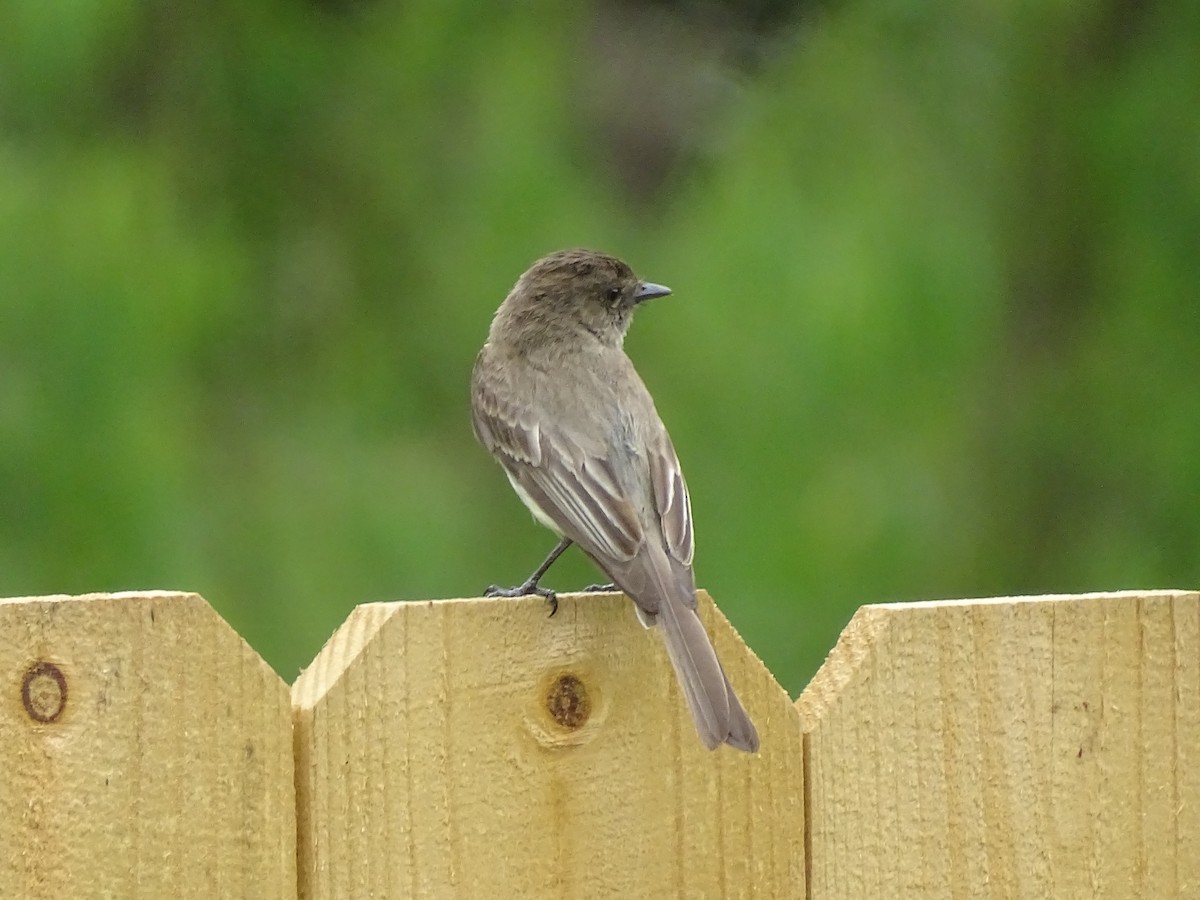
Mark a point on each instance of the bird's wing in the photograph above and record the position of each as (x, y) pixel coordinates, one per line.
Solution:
(575, 489)
(671, 499)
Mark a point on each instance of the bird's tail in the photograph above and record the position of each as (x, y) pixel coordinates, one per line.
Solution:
(719, 716)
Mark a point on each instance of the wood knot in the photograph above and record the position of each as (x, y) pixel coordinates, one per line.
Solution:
(568, 702)
(44, 692)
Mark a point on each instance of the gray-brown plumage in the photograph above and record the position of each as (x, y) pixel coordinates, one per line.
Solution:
(557, 402)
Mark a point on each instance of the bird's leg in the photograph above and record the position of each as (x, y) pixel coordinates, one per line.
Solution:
(530, 586)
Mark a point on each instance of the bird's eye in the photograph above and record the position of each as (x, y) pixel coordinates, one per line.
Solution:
(612, 294)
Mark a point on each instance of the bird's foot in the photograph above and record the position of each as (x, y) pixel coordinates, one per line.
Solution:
(528, 589)
(601, 588)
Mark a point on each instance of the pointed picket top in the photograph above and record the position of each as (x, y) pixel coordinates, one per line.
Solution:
(478, 744)
(1038, 746)
(146, 751)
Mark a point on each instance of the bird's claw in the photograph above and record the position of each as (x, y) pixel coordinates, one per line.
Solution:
(601, 588)
(494, 590)
(528, 589)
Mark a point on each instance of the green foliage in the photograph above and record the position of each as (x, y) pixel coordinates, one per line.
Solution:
(934, 331)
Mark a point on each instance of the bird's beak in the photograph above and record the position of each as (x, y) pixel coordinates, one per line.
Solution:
(648, 290)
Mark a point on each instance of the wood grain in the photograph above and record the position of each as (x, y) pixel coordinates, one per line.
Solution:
(1019, 747)
(477, 748)
(146, 752)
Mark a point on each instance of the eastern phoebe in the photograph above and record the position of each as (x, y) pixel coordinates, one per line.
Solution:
(557, 402)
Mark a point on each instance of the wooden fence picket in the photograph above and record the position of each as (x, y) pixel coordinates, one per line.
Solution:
(1021, 747)
(145, 751)
(476, 748)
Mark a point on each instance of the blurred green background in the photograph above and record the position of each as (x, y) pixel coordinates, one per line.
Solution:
(934, 333)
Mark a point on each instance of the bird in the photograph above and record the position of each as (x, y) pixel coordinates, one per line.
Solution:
(558, 403)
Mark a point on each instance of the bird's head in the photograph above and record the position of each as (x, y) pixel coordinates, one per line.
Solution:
(579, 291)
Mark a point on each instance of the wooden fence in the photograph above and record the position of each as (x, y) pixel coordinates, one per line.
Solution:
(1044, 747)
